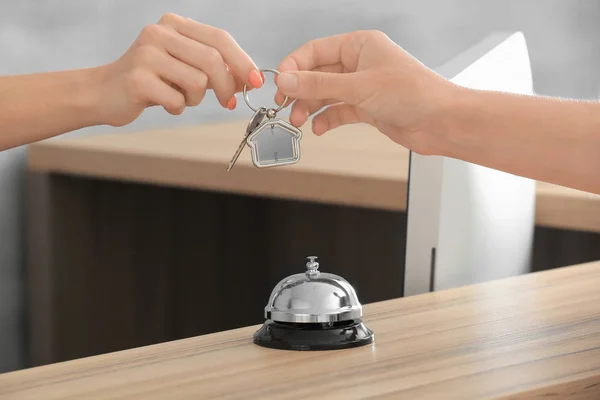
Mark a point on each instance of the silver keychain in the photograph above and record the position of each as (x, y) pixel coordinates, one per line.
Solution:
(272, 141)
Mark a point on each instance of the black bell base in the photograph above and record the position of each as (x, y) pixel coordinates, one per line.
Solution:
(313, 336)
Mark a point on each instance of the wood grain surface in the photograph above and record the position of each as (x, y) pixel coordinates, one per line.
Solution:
(535, 336)
(353, 165)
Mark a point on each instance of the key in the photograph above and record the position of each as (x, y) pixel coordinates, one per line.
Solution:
(257, 118)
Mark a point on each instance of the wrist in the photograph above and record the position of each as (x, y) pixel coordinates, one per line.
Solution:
(454, 126)
(87, 88)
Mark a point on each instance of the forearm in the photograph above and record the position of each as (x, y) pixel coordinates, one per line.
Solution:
(38, 106)
(546, 139)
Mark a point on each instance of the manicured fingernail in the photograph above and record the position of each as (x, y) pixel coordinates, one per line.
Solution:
(231, 103)
(287, 82)
(255, 78)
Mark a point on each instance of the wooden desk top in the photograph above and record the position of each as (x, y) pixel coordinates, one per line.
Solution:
(533, 336)
(353, 165)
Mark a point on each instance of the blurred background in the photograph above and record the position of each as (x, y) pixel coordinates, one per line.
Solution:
(563, 37)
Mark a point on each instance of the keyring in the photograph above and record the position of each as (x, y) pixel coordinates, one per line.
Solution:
(273, 71)
(272, 141)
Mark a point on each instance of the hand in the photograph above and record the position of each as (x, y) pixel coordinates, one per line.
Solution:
(172, 64)
(365, 77)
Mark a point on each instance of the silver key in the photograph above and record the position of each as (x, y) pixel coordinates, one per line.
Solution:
(257, 118)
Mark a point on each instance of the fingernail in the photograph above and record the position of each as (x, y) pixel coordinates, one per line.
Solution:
(287, 82)
(255, 78)
(231, 103)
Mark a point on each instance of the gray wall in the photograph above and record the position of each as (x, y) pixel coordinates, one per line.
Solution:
(38, 35)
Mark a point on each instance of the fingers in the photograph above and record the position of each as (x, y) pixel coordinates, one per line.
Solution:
(316, 53)
(157, 92)
(316, 85)
(303, 109)
(338, 68)
(300, 77)
(220, 79)
(191, 81)
(336, 116)
(227, 49)
(202, 58)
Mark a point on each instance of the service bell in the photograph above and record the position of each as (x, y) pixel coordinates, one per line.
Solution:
(313, 310)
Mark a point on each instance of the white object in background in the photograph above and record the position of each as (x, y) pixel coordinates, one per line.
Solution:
(468, 223)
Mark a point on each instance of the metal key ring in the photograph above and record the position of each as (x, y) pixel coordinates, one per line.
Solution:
(274, 71)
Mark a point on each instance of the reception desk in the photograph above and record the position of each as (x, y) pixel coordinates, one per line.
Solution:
(535, 336)
(139, 230)
(351, 166)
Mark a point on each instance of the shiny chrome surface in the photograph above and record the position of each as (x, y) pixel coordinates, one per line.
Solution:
(313, 296)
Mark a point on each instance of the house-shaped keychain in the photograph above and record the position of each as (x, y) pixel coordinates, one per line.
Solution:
(274, 142)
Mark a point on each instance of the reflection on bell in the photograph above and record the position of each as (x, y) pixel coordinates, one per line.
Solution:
(313, 311)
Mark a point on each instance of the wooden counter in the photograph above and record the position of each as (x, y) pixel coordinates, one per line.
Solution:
(353, 165)
(534, 336)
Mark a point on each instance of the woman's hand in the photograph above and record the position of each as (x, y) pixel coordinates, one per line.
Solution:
(172, 64)
(365, 77)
